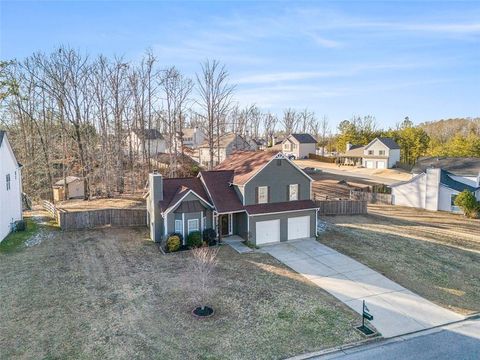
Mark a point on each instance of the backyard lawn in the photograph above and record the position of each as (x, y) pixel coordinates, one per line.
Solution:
(110, 294)
(434, 254)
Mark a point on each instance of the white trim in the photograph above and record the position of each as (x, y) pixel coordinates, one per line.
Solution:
(290, 192)
(202, 224)
(183, 227)
(316, 222)
(183, 197)
(230, 224)
(264, 195)
(230, 212)
(165, 223)
(283, 212)
(205, 185)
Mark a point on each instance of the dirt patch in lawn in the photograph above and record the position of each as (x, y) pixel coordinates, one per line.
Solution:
(434, 254)
(110, 294)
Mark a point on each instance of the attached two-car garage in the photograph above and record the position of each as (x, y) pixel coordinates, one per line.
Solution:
(287, 227)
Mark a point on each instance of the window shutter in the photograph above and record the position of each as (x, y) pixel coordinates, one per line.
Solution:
(288, 192)
(298, 192)
(256, 195)
(268, 194)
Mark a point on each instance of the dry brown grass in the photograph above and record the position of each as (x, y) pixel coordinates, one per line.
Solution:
(115, 203)
(110, 294)
(434, 254)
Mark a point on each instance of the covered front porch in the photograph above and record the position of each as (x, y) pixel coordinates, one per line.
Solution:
(231, 224)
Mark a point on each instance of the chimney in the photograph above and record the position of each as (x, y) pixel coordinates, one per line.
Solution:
(349, 146)
(155, 186)
(155, 182)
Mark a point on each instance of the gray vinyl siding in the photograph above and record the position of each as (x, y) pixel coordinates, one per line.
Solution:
(283, 223)
(240, 224)
(277, 178)
(239, 191)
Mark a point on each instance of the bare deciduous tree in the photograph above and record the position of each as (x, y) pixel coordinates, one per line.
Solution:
(215, 101)
(289, 121)
(199, 272)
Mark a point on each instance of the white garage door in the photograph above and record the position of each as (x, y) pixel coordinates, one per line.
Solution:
(380, 164)
(267, 231)
(369, 164)
(298, 227)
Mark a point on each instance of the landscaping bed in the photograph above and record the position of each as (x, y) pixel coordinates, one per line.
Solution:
(435, 254)
(108, 293)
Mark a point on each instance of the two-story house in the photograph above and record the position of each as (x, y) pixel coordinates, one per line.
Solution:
(193, 137)
(10, 187)
(260, 196)
(380, 153)
(148, 141)
(223, 147)
(298, 146)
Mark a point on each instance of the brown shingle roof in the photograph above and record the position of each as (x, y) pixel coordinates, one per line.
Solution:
(222, 194)
(280, 207)
(245, 164)
(174, 189)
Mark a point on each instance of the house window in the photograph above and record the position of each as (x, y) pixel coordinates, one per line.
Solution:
(381, 152)
(204, 223)
(370, 152)
(179, 226)
(294, 146)
(286, 146)
(193, 225)
(293, 192)
(262, 197)
(452, 199)
(8, 181)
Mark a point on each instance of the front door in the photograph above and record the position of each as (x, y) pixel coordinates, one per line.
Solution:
(224, 225)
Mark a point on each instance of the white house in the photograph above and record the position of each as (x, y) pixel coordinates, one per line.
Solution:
(434, 189)
(299, 146)
(153, 139)
(380, 153)
(10, 187)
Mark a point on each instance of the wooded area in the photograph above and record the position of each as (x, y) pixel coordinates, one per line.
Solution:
(70, 114)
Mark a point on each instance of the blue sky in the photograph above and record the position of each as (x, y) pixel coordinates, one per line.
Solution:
(387, 59)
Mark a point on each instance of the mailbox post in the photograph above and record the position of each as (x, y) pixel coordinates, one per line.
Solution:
(366, 314)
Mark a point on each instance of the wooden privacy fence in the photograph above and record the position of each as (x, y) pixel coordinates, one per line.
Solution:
(341, 207)
(371, 197)
(88, 219)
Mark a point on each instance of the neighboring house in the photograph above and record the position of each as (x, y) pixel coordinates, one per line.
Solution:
(10, 187)
(74, 188)
(434, 189)
(154, 141)
(193, 137)
(299, 146)
(260, 196)
(225, 146)
(380, 153)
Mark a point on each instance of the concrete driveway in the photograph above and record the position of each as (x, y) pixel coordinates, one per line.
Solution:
(396, 310)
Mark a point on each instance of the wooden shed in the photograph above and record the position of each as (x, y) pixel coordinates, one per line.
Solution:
(75, 188)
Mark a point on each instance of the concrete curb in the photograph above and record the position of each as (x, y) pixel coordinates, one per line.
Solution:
(376, 341)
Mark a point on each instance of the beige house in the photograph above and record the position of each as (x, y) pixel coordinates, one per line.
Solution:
(193, 137)
(380, 153)
(223, 148)
(298, 146)
(75, 188)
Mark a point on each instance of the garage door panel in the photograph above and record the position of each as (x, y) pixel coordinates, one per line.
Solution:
(380, 164)
(369, 164)
(299, 227)
(267, 231)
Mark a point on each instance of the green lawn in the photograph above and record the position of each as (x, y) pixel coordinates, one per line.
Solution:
(110, 294)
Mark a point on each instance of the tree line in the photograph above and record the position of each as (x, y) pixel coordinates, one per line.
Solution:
(450, 137)
(70, 114)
